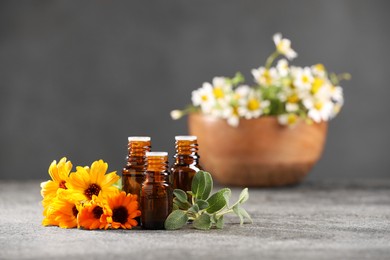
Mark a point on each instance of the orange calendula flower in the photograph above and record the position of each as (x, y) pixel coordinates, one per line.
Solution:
(93, 214)
(62, 212)
(59, 174)
(122, 210)
(86, 182)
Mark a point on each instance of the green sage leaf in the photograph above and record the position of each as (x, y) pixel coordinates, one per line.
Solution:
(244, 196)
(217, 201)
(202, 204)
(202, 222)
(220, 223)
(182, 205)
(180, 195)
(202, 184)
(236, 209)
(194, 209)
(176, 220)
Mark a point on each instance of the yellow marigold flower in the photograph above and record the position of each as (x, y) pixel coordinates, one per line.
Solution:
(122, 210)
(93, 214)
(85, 182)
(62, 212)
(59, 174)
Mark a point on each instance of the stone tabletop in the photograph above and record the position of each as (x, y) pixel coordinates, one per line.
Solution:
(325, 220)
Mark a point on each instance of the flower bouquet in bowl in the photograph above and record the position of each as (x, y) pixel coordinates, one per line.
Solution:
(270, 133)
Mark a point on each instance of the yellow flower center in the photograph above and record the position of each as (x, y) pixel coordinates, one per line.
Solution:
(266, 77)
(204, 98)
(235, 111)
(317, 84)
(218, 92)
(305, 79)
(293, 98)
(318, 105)
(283, 46)
(292, 119)
(319, 67)
(253, 104)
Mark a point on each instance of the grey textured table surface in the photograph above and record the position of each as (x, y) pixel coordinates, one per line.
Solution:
(310, 221)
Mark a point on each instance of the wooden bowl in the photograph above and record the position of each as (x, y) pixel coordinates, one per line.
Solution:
(259, 152)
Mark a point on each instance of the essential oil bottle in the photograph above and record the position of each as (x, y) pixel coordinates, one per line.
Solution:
(156, 191)
(186, 163)
(133, 172)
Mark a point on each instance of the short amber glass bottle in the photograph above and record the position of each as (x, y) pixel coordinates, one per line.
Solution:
(186, 162)
(133, 172)
(156, 191)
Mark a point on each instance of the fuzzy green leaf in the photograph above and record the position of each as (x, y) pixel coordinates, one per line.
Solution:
(202, 204)
(180, 195)
(182, 205)
(244, 196)
(176, 220)
(220, 223)
(194, 209)
(202, 222)
(202, 184)
(236, 209)
(217, 201)
(242, 214)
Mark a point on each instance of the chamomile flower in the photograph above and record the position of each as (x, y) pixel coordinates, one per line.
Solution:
(282, 67)
(303, 78)
(204, 98)
(253, 106)
(288, 119)
(318, 110)
(283, 46)
(319, 70)
(265, 77)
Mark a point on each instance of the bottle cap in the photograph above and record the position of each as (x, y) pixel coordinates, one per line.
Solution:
(186, 138)
(148, 154)
(139, 138)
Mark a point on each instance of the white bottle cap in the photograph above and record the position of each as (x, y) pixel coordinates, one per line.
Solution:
(148, 154)
(139, 138)
(186, 138)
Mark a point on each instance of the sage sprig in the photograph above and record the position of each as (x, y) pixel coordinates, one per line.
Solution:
(203, 210)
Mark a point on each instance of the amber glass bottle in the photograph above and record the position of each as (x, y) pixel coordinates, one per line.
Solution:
(156, 191)
(186, 162)
(133, 172)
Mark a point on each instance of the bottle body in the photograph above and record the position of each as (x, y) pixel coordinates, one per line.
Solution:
(156, 192)
(186, 162)
(133, 172)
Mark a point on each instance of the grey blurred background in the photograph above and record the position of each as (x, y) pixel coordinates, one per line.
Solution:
(78, 77)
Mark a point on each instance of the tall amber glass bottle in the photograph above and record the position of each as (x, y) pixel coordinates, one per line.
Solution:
(156, 192)
(186, 162)
(133, 172)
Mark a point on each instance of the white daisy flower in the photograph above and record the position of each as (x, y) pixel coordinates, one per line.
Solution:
(265, 77)
(204, 98)
(220, 87)
(283, 46)
(318, 110)
(302, 78)
(288, 119)
(318, 70)
(282, 67)
(252, 106)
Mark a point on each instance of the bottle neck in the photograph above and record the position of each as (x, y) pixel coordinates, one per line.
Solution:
(137, 154)
(157, 169)
(187, 152)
